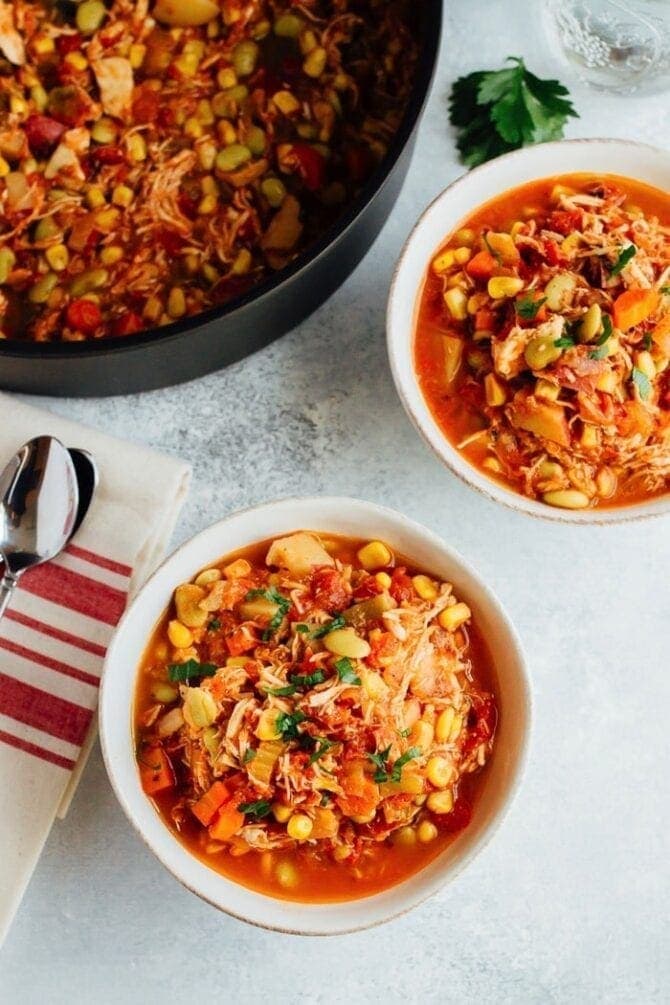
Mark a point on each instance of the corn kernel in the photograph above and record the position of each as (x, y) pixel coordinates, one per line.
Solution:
(492, 464)
(242, 263)
(494, 390)
(237, 569)
(176, 305)
(4, 167)
(179, 635)
(462, 255)
(443, 262)
(383, 579)
(281, 813)
(558, 191)
(43, 45)
(589, 437)
(607, 382)
(457, 303)
(299, 827)
(227, 132)
(137, 147)
(545, 389)
(76, 61)
(187, 64)
(453, 617)
(405, 837)
(425, 587)
(208, 205)
(107, 219)
(287, 875)
(440, 802)
(204, 112)
(112, 254)
(206, 152)
(286, 102)
(207, 577)
(58, 257)
(153, 309)
(426, 831)
(267, 725)
(422, 734)
(39, 97)
(122, 195)
(445, 721)
(226, 78)
(17, 105)
(465, 236)
(237, 661)
(374, 685)
(136, 55)
(374, 555)
(315, 62)
(500, 287)
(193, 128)
(645, 363)
(439, 771)
(95, 197)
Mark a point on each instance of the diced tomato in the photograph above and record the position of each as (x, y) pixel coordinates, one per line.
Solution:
(457, 820)
(241, 641)
(481, 722)
(485, 321)
(170, 240)
(69, 43)
(552, 254)
(156, 772)
(329, 590)
(84, 316)
(382, 647)
(368, 587)
(146, 104)
(311, 165)
(564, 222)
(108, 155)
(128, 324)
(43, 134)
(401, 587)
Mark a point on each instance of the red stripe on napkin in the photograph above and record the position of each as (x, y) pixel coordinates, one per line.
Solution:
(76, 592)
(32, 748)
(99, 560)
(55, 633)
(46, 661)
(34, 707)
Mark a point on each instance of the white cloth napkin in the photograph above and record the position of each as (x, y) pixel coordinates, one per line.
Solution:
(57, 628)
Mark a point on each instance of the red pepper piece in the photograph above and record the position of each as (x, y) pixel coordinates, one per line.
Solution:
(69, 43)
(84, 316)
(128, 324)
(311, 165)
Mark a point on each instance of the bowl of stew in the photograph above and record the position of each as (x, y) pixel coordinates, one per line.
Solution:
(528, 329)
(315, 714)
(181, 182)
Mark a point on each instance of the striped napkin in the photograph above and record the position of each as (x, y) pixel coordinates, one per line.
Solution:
(55, 633)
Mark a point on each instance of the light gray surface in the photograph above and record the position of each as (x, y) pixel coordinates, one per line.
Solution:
(569, 903)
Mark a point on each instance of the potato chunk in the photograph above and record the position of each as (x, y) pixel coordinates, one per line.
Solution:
(545, 419)
(185, 13)
(299, 553)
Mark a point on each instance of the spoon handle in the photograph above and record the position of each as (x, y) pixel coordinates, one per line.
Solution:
(7, 584)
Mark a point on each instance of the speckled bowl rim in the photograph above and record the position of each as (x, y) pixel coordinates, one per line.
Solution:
(335, 515)
(565, 156)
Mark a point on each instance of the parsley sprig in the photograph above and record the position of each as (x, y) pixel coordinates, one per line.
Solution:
(346, 672)
(623, 259)
(275, 597)
(394, 773)
(190, 670)
(287, 725)
(498, 111)
(527, 307)
(261, 808)
(321, 749)
(330, 626)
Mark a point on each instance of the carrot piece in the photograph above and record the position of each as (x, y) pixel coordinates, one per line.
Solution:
(227, 823)
(482, 266)
(156, 771)
(661, 335)
(484, 321)
(633, 307)
(361, 795)
(206, 808)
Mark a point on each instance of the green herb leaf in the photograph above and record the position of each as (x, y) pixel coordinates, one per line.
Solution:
(527, 307)
(214, 625)
(665, 290)
(564, 342)
(275, 597)
(410, 754)
(326, 799)
(307, 679)
(647, 342)
(322, 747)
(607, 330)
(404, 733)
(642, 383)
(394, 775)
(303, 629)
(258, 810)
(282, 692)
(379, 760)
(287, 724)
(346, 672)
(249, 755)
(498, 111)
(190, 670)
(624, 258)
(330, 626)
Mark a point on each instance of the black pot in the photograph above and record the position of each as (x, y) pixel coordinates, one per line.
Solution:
(223, 335)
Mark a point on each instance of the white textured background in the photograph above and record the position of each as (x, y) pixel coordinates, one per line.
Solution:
(570, 902)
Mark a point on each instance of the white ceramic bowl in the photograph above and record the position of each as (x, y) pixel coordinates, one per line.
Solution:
(331, 515)
(620, 157)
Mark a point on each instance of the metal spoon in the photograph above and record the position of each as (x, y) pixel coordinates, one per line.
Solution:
(88, 477)
(39, 500)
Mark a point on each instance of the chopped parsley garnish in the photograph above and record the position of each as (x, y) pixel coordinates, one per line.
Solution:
(249, 755)
(275, 597)
(303, 629)
(189, 670)
(622, 261)
(642, 382)
(307, 679)
(282, 692)
(404, 732)
(346, 672)
(498, 111)
(665, 290)
(331, 626)
(527, 307)
(214, 625)
(258, 810)
(287, 724)
(322, 747)
(564, 342)
(647, 342)
(380, 760)
(326, 799)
